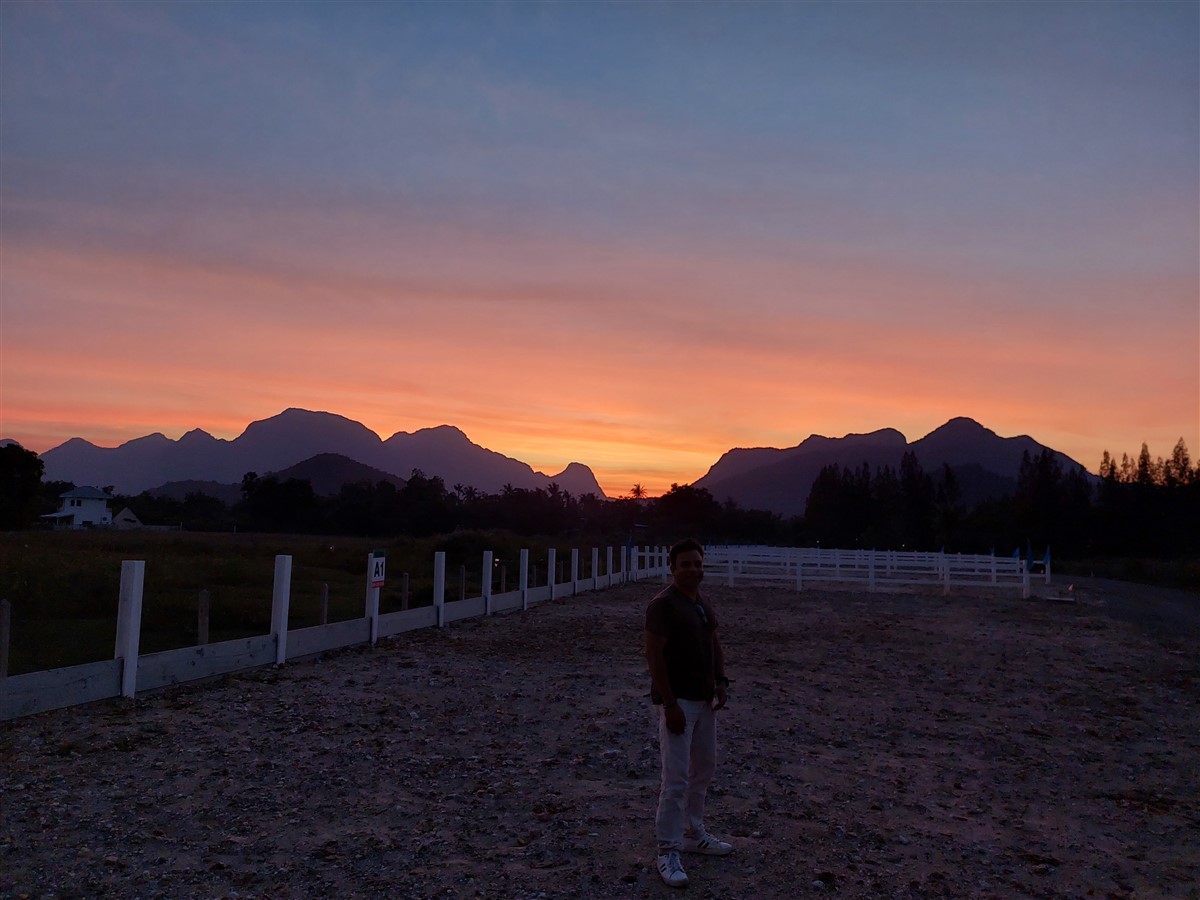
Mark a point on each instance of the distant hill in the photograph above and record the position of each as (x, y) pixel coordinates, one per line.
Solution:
(326, 472)
(295, 436)
(179, 490)
(779, 480)
(985, 464)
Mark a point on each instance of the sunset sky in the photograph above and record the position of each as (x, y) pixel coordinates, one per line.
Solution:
(632, 235)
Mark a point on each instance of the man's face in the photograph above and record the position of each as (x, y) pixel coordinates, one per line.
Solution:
(688, 571)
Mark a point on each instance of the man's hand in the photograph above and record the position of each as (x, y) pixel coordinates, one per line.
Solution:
(722, 697)
(676, 721)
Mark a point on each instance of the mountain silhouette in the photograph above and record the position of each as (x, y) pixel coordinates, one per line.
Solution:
(780, 480)
(331, 450)
(228, 494)
(984, 464)
(273, 445)
(963, 442)
(328, 472)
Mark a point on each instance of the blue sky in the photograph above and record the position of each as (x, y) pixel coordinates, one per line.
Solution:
(542, 222)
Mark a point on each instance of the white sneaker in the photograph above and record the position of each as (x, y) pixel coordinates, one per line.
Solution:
(671, 869)
(707, 844)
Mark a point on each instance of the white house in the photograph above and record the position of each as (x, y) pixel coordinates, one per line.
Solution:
(83, 507)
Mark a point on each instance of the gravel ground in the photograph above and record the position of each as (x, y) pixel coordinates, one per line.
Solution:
(876, 745)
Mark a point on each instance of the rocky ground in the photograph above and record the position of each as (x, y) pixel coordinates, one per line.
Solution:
(875, 746)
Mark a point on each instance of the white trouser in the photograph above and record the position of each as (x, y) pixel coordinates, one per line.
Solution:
(688, 763)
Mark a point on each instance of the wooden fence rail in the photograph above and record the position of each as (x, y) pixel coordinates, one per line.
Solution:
(130, 672)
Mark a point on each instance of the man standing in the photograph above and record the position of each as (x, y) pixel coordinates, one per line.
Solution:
(687, 679)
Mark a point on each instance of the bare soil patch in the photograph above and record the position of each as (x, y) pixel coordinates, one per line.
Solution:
(876, 745)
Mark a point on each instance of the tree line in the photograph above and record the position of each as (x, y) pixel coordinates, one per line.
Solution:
(1139, 506)
(1145, 509)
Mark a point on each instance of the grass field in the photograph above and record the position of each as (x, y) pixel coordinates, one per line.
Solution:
(1182, 573)
(64, 586)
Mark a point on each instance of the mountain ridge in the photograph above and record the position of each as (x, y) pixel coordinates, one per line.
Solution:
(293, 436)
(985, 464)
(769, 478)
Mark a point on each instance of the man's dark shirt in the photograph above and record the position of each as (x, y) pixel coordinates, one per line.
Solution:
(688, 628)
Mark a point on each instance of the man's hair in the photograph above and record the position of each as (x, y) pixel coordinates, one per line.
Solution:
(684, 546)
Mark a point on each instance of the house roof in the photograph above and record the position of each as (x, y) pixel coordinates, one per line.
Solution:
(85, 493)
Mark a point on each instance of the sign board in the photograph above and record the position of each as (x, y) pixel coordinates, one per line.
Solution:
(375, 577)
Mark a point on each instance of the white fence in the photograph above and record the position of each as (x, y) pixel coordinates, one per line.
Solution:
(129, 672)
(875, 569)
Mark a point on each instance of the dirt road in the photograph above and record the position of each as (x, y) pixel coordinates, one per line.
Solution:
(875, 746)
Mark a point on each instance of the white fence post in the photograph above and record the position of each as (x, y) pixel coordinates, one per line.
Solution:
(595, 566)
(488, 563)
(371, 608)
(551, 569)
(129, 622)
(439, 587)
(281, 596)
(523, 582)
(5, 639)
(574, 571)
(203, 616)
(624, 564)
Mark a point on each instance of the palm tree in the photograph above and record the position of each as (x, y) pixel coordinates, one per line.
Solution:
(637, 492)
